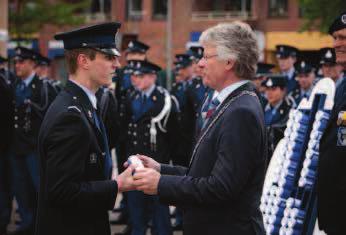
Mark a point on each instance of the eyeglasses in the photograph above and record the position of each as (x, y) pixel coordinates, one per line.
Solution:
(207, 57)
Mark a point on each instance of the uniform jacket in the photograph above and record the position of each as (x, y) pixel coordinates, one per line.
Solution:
(74, 195)
(28, 116)
(220, 191)
(331, 180)
(277, 127)
(138, 131)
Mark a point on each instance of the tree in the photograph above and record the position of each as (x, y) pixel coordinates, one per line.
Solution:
(321, 13)
(28, 17)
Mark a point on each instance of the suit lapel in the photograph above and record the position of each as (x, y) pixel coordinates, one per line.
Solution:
(246, 89)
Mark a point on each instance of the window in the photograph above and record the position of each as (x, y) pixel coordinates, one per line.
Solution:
(159, 9)
(278, 8)
(100, 6)
(134, 9)
(221, 5)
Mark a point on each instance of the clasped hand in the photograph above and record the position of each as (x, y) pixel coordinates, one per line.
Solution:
(143, 179)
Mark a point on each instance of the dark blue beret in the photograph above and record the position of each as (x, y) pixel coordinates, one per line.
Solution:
(284, 51)
(137, 46)
(100, 37)
(339, 23)
(275, 80)
(143, 67)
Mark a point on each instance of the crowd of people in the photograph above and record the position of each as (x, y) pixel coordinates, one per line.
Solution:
(220, 122)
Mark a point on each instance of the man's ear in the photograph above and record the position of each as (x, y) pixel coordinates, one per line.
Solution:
(83, 61)
(230, 64)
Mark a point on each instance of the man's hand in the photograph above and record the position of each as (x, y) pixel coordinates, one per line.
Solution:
(147, 180)
(125, 180)
(149, 162)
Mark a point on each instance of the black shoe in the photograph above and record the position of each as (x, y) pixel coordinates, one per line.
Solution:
(126, 231)
(122, 219)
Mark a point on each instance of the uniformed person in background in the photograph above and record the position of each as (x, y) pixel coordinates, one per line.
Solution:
(331, 180)
(32, 98)
(42, 69)
(287, 57)
(151, 126)
(329, 67)
(6, 127)
(76, 189)
(305, 75)
(196, 90)
(124, 85)
(263, 70)
(136, 50)
(277, 109)
(183, 68)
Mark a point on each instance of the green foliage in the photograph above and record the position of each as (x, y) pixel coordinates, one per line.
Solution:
(30, 16)
(319, 14)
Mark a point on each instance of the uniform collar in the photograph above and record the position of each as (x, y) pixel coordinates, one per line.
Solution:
(89, 93)
(148, 92)
(308, 92)
(289, 73)
(269, 107)
(29, 79)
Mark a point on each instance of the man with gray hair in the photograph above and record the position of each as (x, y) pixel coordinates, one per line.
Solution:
(220, 190)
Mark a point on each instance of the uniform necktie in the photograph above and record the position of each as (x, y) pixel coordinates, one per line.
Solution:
(108, 157)
(269, 115)
(20, 93)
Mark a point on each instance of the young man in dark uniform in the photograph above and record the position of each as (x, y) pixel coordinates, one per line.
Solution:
(151, 124)
(76, 189)
(287, 57)
(32, 98)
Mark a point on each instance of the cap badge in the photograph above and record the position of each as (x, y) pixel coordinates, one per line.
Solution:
(269, 83)
(343, 18)
(329, 54)
(130, 44)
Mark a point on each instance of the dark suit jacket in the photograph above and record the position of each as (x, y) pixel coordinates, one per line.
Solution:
(74, 194)
(331, 180)
(220, 191)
